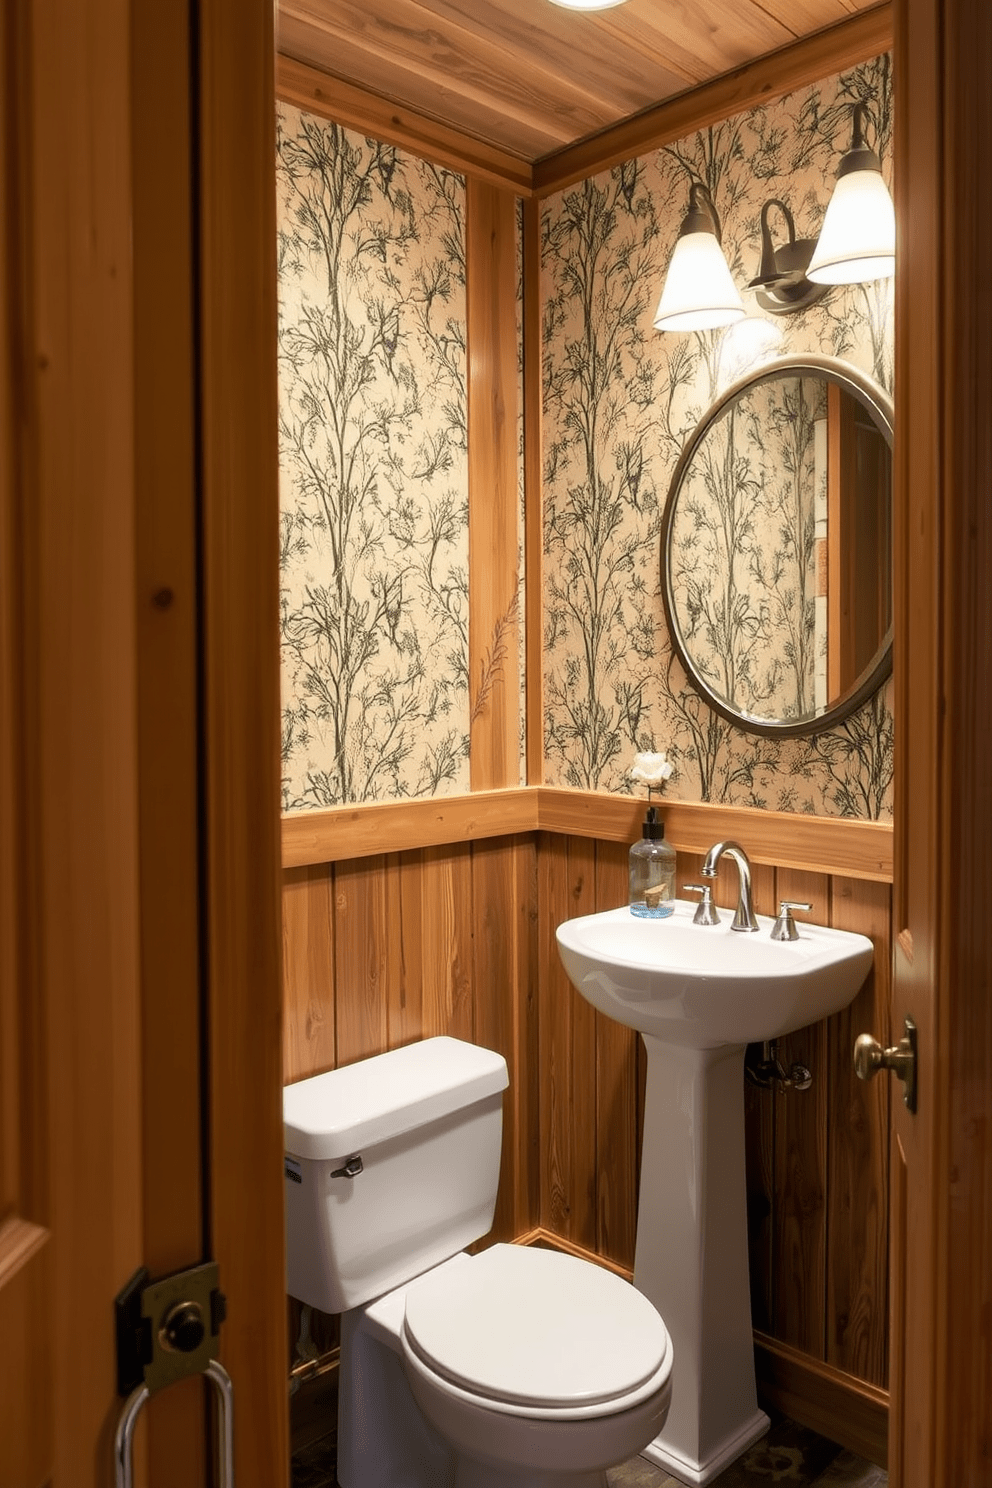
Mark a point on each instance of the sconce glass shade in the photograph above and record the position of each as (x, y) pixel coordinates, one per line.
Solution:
(699, 292)
(858, 239)
(857, 242)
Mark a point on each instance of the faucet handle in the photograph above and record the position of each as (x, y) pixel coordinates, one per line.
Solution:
(784, 927)
(706, 910)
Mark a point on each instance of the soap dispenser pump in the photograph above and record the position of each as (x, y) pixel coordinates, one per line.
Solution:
(652, 871)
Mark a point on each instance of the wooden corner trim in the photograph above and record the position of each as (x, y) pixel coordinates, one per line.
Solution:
(821, 844)
(318, 92)
(762, 81)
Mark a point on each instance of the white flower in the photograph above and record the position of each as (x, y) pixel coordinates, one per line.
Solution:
(651, 769)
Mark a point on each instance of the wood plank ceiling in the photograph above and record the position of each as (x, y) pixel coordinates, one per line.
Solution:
(529, 76)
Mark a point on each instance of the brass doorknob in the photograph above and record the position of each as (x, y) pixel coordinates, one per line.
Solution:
(870, 1057)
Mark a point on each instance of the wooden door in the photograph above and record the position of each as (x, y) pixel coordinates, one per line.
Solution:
(139, 992)
(941, 1421)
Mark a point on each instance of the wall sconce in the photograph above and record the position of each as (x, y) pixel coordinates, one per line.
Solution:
(699, 292)
(856, 245)
(781, 282)
(858, 239)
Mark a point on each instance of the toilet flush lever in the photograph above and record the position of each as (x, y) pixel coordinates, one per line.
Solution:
(351, 1169)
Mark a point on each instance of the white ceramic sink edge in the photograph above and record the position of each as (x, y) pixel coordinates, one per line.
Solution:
(707, 986)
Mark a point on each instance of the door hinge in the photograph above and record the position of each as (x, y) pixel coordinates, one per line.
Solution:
(168, 1329)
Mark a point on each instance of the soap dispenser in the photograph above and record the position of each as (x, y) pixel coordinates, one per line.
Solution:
(652, 871)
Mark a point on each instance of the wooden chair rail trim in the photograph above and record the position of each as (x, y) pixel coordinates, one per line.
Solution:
(784, 839)
(865, 35)
(399, 826)
(845, 1409)
(854, 849)
(319, 92)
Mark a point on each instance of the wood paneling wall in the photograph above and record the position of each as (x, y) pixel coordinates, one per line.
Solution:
(384, 950)
(460, 939)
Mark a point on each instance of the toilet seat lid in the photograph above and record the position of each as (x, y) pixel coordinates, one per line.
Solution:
(536, 1327)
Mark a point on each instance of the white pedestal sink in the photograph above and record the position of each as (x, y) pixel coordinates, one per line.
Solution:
(698, 995)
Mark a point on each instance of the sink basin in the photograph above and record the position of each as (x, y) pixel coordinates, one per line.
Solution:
(707, 985)
(698, 994)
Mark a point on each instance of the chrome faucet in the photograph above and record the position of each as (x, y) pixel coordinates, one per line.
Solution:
(744, 918)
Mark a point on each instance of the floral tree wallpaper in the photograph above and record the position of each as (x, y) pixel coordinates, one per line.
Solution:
(744, 569)
(620, 401)
(372, 362)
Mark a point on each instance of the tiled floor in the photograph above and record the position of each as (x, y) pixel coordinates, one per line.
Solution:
(789, 1455)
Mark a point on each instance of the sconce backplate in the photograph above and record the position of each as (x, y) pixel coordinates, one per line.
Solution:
(790, 290)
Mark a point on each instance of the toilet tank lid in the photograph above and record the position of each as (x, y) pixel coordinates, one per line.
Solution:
(336, 1114)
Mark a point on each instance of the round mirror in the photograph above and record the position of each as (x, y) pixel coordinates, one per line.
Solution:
(777, 548)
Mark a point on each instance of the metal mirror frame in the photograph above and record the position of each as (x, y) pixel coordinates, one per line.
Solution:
(879, 405)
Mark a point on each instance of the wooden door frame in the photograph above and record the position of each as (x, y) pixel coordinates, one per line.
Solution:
(940, 1433)
(140, 1002)
(241, 764)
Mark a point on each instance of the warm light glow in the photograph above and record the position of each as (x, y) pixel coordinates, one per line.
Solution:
(699, 293)
(858, 239)
(587, 4)
(745, 345)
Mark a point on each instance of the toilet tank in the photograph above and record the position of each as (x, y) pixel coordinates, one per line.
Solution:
(426, 1123)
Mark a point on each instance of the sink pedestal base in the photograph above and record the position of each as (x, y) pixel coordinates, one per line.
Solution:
(691, 1255)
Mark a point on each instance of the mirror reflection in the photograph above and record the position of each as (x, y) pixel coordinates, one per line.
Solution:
(777, 548)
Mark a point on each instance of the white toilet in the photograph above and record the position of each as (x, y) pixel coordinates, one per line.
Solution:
(515, 1368)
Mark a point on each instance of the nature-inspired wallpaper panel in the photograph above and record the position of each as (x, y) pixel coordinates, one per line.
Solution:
(744, 569)
(374, 478)
(620, 402)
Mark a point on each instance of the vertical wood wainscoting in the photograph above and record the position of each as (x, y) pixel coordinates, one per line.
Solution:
(460, 939)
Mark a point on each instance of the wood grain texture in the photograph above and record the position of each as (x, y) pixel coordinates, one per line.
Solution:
(347, 832)
(75, 655)
(366, 959)
(927, 388)
(824, 844)
(761, 81)
(504, 912)
(857, 1150)
(26, 1422)
(168, 713)
(800, 1209)
(238, 447)
(316, 91)
(944, 563)
(533, 80)
(963, 998)
(493, 499)
(533, 487)
(823, 1398)
(617, 1149)
(308, 972)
